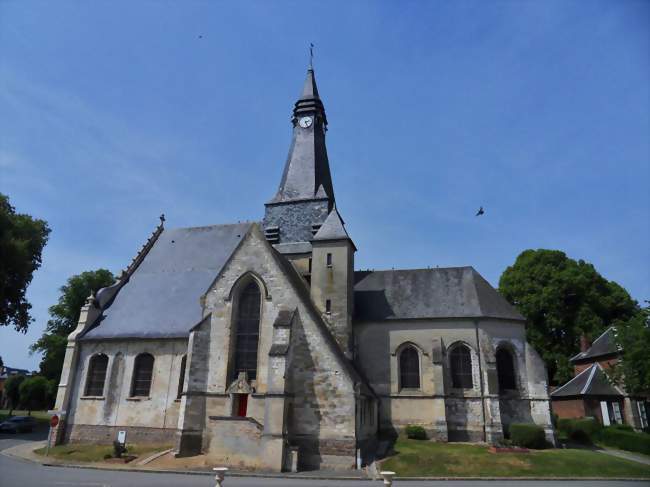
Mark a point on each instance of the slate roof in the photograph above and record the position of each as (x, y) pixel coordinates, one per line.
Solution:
(306, 172)
(605, 344)
(161, 298)
(332, 228)
(453, 292)
(592, 381)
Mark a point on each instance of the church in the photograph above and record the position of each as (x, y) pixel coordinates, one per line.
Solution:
(260, 346)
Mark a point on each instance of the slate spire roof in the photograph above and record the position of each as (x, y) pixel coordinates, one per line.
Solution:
(306, 174)
(333, 228)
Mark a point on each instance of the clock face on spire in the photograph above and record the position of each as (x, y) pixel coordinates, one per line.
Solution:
(305, 122)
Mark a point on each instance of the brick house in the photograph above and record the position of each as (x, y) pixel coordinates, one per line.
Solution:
(591, 392)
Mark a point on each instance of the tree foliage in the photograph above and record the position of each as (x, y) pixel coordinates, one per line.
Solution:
(562, 299)
(22, 239)
(35, 393)
(12, 389)
(633, 337)
(64, 316)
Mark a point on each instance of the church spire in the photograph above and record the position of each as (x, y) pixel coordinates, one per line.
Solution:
(306, 182)
(307, 173)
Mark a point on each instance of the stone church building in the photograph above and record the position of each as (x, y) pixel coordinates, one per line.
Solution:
(259, 344)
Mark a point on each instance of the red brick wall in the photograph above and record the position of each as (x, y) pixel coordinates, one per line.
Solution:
(568, 408)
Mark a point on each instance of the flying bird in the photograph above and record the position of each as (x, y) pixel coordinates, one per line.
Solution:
(480, 211)
(200, 37)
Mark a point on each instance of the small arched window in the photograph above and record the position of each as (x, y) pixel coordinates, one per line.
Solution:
(247, 330)
(181, 378)
(142, 375)
(506, 370)
(96, 375)
(461, 368)
(409, 368)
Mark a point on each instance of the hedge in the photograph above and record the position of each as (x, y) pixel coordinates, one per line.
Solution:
(414, 432)
(528, 435)
(625, 440)
(581, 430)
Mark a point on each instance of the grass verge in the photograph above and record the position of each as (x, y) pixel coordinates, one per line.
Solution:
(84, 452)
(428, 459)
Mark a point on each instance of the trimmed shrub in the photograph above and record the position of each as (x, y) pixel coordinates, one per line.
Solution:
(580, 430)
(622, 427)
(528, 435)
(414, 432)
(625, 440)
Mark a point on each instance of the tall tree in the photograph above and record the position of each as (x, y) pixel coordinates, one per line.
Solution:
(64, 316)
(22, 239)
(34, 393)
(633, 337)
(562, 299)
(12, 389)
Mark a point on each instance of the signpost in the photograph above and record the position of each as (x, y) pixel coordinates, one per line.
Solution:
(54, 421)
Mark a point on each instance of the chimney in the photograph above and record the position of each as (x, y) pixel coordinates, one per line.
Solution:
(584, 343)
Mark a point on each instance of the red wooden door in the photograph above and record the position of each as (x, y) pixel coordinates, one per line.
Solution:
(242, 405)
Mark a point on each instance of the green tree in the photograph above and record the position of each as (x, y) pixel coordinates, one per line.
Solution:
(64, 316)
(12, 389)
(34, 393)
(562, 299)
(22, 239)
(633, 337)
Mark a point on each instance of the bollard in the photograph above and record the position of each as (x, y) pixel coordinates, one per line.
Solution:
(220, 475)
(388, 477)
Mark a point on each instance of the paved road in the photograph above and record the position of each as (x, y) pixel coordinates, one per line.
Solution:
(20, 473)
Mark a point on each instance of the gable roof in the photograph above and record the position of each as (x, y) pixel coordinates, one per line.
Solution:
(605, 344)
(593, 381)
(453, 292)
(161, 297)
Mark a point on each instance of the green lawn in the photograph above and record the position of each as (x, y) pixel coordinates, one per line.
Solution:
(428, 459)
(84, 452)
(41, 416)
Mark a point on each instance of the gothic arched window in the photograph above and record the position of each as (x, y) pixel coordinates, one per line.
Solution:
(142, 375)
(505, 370)
(247, 331)
(409, 368)
(181, 378)
(96, 375)
(460, 361)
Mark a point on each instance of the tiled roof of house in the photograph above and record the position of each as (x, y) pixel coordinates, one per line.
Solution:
(605, 344)
(593, 381)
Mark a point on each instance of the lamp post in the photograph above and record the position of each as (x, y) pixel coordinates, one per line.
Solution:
(220, 475)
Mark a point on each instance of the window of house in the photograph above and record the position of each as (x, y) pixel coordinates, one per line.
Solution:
(181, 378)
(505, 370)
(96, 375)
(247, 332)
(142, 375)
(461, 368)
(328, 306)
(329, 260)
(409, 369)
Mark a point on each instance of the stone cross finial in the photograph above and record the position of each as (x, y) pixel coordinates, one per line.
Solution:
(162, 219)
(311, 55)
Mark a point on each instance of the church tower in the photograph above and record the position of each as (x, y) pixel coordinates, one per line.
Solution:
(305, 196)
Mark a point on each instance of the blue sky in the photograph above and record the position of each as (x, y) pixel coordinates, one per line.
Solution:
(113, 112)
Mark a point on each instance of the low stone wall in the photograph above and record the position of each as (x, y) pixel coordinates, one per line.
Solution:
(323, 453)
(106, 435)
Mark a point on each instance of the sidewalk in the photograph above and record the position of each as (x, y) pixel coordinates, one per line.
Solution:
(635, 457)
(25, 452)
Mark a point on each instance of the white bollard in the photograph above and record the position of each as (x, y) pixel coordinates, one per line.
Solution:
(388, 477)
(220, 475)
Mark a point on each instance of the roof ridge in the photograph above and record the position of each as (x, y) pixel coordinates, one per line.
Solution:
(144, 250)
(417, 269)
(246, 222)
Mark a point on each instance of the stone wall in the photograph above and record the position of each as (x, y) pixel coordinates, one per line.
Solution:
(155, 416)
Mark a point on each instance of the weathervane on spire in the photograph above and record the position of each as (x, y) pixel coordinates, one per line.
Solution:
(311, 55)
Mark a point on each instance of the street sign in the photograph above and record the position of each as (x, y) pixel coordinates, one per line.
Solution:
(54, 420)
(121, 437)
